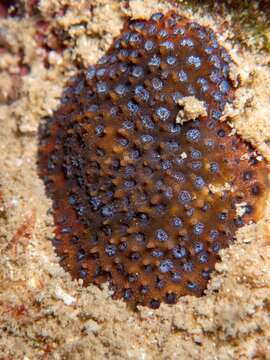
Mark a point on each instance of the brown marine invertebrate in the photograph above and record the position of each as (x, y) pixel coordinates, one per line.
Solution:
(139, 200)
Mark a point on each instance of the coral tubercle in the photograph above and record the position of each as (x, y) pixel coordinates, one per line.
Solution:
(139, 200)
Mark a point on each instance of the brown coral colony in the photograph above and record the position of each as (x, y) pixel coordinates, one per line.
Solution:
(139, 200)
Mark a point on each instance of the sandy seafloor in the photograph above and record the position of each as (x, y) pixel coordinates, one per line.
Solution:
(43, 313)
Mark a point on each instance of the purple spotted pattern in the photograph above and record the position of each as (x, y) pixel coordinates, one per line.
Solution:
(131, 193)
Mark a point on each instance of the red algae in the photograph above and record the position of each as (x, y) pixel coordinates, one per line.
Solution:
(138, 200)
